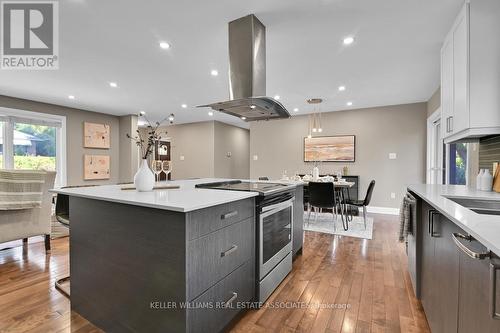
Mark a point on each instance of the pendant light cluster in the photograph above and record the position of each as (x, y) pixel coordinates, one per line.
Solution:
(315, 118)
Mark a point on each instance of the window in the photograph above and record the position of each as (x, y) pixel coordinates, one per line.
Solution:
(34, 147)
(457, 161)
(33, 141)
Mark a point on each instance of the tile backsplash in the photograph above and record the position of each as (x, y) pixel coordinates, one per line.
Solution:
(489, 152)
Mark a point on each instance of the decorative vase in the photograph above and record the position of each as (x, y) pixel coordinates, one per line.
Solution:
(315, 173)
(144, 179)
(486, 181)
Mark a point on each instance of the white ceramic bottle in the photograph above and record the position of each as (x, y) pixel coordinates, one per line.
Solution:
(144, 179)
(478, 179)
(486, 181)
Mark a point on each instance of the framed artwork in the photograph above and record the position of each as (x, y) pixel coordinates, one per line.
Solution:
(96, 167)
(339, 148)
(96, 135)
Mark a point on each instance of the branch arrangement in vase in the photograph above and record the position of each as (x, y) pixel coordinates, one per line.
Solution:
(147, 142)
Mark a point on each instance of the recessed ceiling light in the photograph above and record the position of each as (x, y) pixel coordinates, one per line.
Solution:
(252, 106)
(142, 113)
(214, 72)
(348, 40)
(164, 45)
(349, 103)
(113, 84)
(276, 97)
(341, 88)
(71, 97)
(210, 113)
(296, 110)
(243, 118)
(184, 106)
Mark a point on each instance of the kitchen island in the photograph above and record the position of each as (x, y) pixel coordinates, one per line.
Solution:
(177, 260)
(453, 249)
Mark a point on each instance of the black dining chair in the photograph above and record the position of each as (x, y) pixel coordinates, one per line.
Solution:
(365, 202)
(322, 195)
(263, 178)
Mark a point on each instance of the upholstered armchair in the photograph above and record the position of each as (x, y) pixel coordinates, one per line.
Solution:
(24, 223)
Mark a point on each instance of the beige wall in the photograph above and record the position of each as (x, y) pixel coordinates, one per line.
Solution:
(74, 136)
(195, 142)
(129, 153)
(434, 102)
(236, 141)
(399, 129)
(204, 146)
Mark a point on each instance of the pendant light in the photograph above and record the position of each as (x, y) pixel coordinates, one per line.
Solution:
(315, 117)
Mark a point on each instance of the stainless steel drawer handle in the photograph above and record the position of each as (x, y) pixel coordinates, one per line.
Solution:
(493, 289)
(474, 255)
(229, 301)
(229, 215)
(228, 252)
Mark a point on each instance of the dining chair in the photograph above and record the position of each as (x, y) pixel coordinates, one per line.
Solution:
(263, 178)
(365, 202)
(322, 195)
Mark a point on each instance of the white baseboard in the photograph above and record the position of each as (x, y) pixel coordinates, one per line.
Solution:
(382, 210)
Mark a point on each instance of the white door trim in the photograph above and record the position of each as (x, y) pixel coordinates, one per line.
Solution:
(431, 133)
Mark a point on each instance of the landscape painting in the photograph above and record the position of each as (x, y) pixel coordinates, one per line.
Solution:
(330, 149)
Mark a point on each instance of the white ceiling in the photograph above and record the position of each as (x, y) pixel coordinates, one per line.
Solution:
(394, 59)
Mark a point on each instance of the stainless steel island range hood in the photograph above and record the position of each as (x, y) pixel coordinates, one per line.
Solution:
(247, 74)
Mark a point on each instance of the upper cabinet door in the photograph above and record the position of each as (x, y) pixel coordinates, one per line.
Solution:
(470, 67)
(460, 120)
(447, 87)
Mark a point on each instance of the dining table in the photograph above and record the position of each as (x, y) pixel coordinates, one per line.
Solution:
(343, 190)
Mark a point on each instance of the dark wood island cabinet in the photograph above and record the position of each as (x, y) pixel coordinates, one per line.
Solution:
(140, 269)
(456, 277)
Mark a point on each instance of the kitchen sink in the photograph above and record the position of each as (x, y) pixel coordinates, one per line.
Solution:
(480, 206)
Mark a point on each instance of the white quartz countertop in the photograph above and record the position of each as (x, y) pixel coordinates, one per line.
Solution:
(484, 228)
(185, 199)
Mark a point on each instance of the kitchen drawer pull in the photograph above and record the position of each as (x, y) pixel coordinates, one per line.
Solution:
(465, 249)
(432, 212)
(228, 252)
(229, 301)
(229, 215)
(493, 289)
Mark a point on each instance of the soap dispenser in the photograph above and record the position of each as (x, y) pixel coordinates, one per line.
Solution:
(478, 179)
(486, 180)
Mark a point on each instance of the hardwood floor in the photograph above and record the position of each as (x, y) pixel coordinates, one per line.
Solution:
(339, 284)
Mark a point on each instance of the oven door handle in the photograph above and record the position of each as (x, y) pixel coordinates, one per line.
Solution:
(279, 206)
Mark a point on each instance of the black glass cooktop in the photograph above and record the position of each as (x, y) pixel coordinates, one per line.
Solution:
(237, 185)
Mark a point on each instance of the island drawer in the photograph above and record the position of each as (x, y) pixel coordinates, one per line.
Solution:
(215, 308)
(210, 258)
(203, 221)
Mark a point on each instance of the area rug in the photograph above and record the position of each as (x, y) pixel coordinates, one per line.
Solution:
(324, 223)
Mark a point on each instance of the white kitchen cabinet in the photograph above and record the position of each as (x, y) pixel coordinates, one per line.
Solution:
(470, 73)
